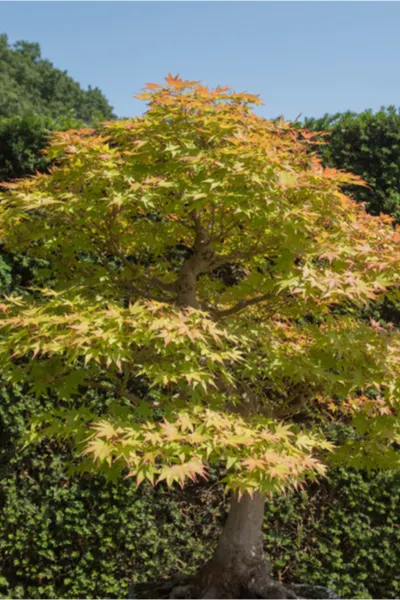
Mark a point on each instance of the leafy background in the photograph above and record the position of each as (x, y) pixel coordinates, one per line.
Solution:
(74, 538)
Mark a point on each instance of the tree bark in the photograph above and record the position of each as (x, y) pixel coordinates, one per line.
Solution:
(186, 285)
(242, 534)
(239, 568)
(199, 262)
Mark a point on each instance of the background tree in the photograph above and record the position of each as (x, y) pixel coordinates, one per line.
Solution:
(35, 98)
(31, 85)
(367, 144)
(207, 274)
(22, 140)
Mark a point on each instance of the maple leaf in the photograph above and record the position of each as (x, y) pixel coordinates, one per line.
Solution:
(169, 430)
(173, 80)
(193, 468)
(185, 423)
(100, 449)
(105, 430)
(303, 441)
(196, 437)
(253, 463)
(152, 437)
(282, 431)
(179, 472)
(280, 472)
(272, 457)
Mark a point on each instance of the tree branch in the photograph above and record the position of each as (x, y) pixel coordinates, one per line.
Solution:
(219, 314)
(168, 287)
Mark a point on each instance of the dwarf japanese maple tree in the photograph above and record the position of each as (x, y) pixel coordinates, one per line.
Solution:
(209, 276)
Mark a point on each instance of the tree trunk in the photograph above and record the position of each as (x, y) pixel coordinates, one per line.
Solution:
(241, 539)
(238, 568)
(186, 285)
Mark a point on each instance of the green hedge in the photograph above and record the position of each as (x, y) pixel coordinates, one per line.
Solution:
(343, 534)
(368, 144)
(85, 538)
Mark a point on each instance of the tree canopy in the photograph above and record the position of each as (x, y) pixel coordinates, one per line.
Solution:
(208, 274)
(31, 85)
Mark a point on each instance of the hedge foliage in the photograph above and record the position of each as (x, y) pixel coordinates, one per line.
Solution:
(367, 144)
(84, 538)
(22, 139)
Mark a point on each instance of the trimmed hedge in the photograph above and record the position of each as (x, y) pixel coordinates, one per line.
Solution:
(71, 538)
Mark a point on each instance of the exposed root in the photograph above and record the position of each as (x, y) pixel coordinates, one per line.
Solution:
(182, 591)
(229, 588)
(215, 583)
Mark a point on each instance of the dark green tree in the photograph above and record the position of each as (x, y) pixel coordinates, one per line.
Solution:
(35, 99)
(30, 85)
(22, 139)
(367, 144)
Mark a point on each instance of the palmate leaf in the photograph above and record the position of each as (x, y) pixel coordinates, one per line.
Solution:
(183, 447)
(105, 336)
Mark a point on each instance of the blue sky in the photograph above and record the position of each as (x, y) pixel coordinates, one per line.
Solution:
(301, 57)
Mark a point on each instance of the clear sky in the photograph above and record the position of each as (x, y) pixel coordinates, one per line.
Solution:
(301, 57)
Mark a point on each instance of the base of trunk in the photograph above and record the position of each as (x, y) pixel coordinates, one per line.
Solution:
(238, 567)
(211, 582)
(241, 577)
